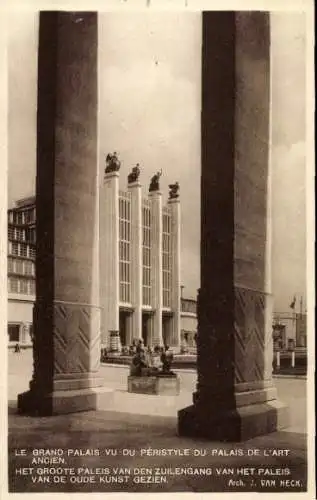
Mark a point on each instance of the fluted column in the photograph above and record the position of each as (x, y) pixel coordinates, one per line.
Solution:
(156, 268)
(135, 323)
(175, 340)
(109, 256)
(66, 314)
(235, 398)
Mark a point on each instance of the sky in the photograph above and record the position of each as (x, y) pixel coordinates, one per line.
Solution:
(150, 113)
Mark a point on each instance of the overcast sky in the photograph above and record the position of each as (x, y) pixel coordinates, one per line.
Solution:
(150, 113)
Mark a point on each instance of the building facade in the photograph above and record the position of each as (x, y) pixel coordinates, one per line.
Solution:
(21, 271)
(139, 263)
(290, 330)
(139, 269)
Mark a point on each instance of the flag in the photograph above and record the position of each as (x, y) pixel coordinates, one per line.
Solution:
(292, 304)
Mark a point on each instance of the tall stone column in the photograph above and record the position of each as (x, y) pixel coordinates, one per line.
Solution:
(66, 314)
(174, 204)
(109, 255)
(135, 324)
(235, 398)
(156, 267)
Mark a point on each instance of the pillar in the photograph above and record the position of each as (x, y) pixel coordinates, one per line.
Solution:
(135, 321)
(109, 256)
(278, 359)
(66, 347)
(174, 204)
(235, 398)
(156, 268)
(293, 359)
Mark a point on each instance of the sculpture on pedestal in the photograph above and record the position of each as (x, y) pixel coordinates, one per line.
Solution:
(155, 182)
(134, 174)
(112, 163)
(174, 191)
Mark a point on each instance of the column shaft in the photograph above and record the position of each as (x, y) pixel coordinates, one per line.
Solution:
(156, 267)
(235, 397)
(66, 314)
(109, 256)
(175, 272)
(136, 260)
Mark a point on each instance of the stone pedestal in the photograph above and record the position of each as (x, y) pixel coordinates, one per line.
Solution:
(160, 385)
(66, 347)
(235, 398)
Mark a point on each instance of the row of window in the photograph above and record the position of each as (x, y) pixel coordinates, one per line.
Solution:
(125, 292)
(167, 223)
(124, 209)
(166, 298)
(21, 234)
(124, 251)
(18, 333)
(146, 237)
(18, 266)
(146, 295)
(20, 285)
(146, 257)
(21, 249)
(22, 216)
(124, 230)
(146, 276)
(146, 217)
(125, 272)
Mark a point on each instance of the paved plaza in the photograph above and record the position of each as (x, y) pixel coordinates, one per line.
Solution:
(137, 427)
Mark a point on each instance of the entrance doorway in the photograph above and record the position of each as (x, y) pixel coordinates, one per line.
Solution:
(167, 329)
(123, 327)
(146, 328)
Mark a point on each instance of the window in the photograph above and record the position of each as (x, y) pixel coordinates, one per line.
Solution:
(146, 254)
(10, 265)
(124, 247)
(19, 234)
(24, 286)
(166, 257)
(14, 333)
(29, 268)
(32, 252)
(19, 266)
(11, 233)
(23, 250)
(14, 248)
(13, 285)
(19, 218)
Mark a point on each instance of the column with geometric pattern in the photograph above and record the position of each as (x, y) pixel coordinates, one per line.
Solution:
(235, 397)
(66, 346)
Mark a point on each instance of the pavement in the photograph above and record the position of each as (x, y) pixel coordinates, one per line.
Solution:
(107, 451)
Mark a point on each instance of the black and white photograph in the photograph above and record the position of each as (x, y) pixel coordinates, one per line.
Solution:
(157, 251)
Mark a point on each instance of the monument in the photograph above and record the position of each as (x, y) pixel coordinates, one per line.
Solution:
(150, 373)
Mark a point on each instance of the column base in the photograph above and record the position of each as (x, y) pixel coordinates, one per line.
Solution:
(60, 402)
(239, 424)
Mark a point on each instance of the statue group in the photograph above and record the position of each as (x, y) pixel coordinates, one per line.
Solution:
(134, 174)
(146, 363)
(112, 163)
(174, 191)
(155, 182)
